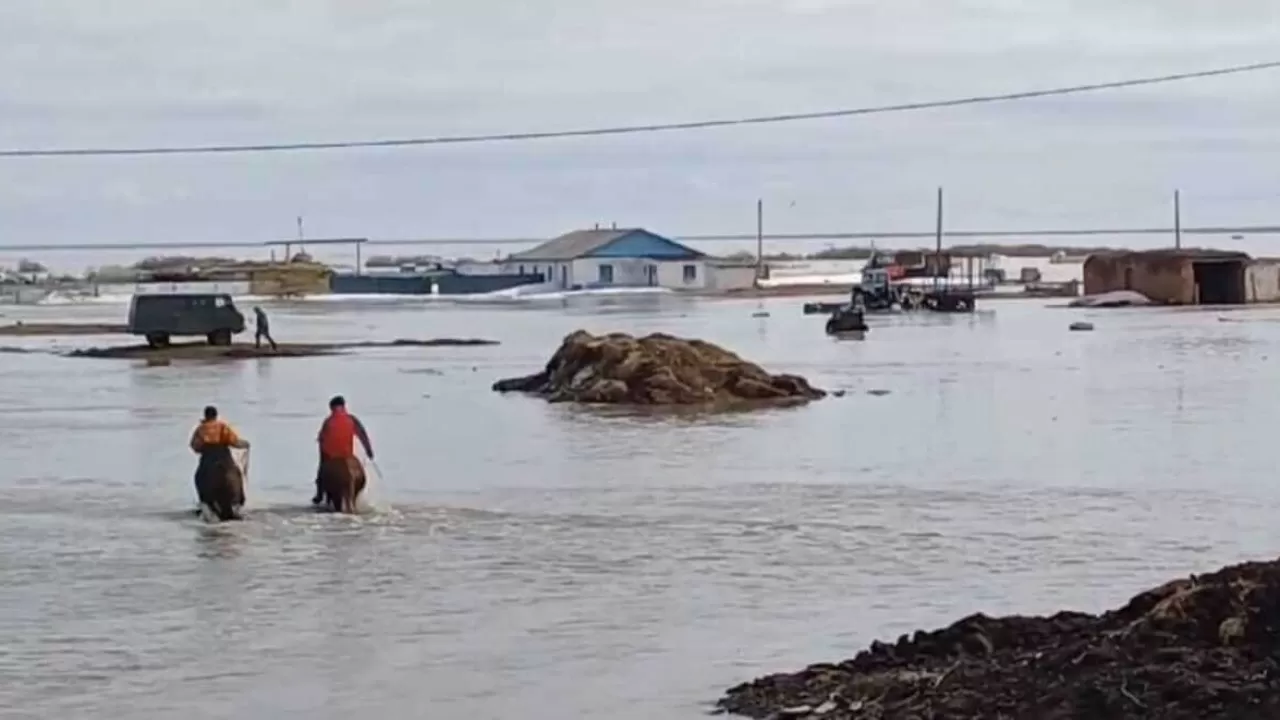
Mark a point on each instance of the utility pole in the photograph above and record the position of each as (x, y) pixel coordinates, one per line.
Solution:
(937, 237)
(759, 241)
(1177, 220)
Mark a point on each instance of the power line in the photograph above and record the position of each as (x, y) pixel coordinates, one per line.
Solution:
(1027, 235)
(631, 129)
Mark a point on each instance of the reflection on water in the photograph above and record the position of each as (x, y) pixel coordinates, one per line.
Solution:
(522, 559)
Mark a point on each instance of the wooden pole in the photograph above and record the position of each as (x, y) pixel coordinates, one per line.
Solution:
(1177, 220)
(759, 241)
(937, 237)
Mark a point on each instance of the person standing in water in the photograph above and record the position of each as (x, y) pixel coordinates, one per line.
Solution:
(263, 329)
(336, 441)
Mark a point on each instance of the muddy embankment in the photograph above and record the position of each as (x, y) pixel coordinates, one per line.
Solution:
(25, 329)
(1202, 648)
(200, 350)
(245, 351)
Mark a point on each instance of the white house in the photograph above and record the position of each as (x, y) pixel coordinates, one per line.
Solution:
(630, 257)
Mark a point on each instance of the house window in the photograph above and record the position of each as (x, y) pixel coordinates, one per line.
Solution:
(690, 273)
(521, 270)
(606, 274)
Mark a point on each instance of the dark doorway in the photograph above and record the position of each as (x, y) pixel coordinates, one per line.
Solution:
(1219, 282)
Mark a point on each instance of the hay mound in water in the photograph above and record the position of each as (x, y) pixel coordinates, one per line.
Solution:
(1205, 647)
(654, 370)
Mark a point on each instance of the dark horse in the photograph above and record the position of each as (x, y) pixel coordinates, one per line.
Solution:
(220, 483)
(341, 481)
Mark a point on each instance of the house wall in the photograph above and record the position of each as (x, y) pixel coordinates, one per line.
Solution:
(1262, 282)
(633, 272)
(627, 272)
(1163, 278)
(671, 274)
(730, 276)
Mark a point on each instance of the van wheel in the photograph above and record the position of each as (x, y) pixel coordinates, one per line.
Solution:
(157, 340)
(220, 337)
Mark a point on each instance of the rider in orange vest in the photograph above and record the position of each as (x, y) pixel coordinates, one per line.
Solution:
(214, 436)
(337, 438)
(213, 440)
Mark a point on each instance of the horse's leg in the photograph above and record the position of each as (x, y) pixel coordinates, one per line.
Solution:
(224, 503)
(348, 500)
(358, 482)
(208, 493)
(235, 491)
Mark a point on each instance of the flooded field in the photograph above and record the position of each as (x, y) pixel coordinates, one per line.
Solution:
(540, 561)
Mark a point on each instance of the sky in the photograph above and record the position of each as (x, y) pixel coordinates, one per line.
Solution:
(76, 73)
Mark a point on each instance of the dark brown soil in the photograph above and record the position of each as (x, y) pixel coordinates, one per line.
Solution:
(51, 329)
(1194, 649)
(244, 351)
(657, 369)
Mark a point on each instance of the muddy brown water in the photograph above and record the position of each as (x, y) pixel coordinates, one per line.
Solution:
(538, 561)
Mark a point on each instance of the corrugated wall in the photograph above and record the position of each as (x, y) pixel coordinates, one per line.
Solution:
(1163, 279)
(1262, 282)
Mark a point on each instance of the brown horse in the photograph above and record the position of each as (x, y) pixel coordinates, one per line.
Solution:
(341, 481)
(220, 484)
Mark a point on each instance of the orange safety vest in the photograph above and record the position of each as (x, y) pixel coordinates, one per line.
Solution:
(338, 435)
(215, 433)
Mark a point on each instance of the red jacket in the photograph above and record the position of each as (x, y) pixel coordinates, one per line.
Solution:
(338, 435)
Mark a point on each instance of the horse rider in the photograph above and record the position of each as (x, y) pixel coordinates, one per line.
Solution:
(336, 440)
(213, 440)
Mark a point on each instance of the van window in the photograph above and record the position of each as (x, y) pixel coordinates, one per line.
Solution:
(219, 302)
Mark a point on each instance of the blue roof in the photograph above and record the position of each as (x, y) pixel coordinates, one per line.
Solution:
(624, 243)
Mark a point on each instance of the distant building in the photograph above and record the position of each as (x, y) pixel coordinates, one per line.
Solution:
(628, 257)
(1175, 277)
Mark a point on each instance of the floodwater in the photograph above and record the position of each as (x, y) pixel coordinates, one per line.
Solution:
(537, 561)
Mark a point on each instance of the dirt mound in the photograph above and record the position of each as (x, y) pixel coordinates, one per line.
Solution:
(1204, 647)
(654, 370)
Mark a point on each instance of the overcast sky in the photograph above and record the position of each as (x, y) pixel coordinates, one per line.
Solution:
(162, 72)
